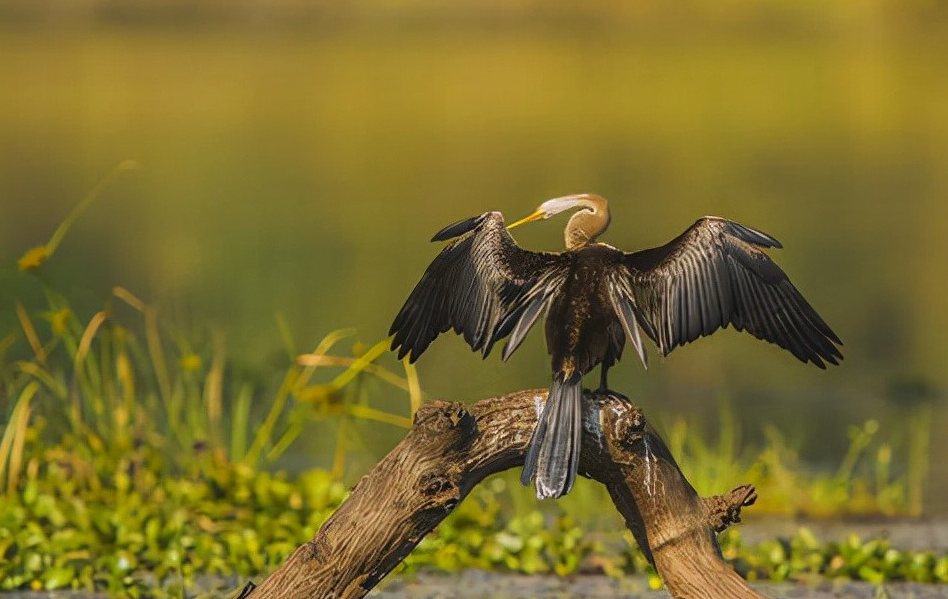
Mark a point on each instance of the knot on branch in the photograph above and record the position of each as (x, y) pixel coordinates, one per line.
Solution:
(724, 510)
(440, 489)
(630, 425)
(622, 425)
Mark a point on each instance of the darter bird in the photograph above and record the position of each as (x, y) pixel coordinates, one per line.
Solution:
(595, 298)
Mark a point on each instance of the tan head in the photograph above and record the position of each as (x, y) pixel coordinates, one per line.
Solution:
(584, 226)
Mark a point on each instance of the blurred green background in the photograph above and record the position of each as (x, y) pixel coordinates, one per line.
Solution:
(297, 156)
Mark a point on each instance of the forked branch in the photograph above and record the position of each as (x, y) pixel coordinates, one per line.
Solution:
(452, 447)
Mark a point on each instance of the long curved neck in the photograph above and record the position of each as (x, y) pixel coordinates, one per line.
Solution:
(588, 222)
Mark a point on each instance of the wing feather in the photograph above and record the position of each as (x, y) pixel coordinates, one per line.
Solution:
(525, 321)
(627, 318)
(480, 277)
(716, 274)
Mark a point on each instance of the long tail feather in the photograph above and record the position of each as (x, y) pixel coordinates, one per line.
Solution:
(553, 454)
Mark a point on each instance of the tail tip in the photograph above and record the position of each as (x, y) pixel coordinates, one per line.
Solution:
(543, 488)
(551, 492)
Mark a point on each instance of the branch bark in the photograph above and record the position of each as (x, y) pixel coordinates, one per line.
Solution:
(452, 447)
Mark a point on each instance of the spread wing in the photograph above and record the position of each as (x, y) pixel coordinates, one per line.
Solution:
(715, 274)
(482, 285)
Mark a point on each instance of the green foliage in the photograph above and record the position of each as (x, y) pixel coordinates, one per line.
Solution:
(864, 482)
(484, 533)
(131, 458)
(803, 556)
(138, 531)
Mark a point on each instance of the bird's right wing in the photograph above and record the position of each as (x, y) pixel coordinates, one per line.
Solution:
(482, 285)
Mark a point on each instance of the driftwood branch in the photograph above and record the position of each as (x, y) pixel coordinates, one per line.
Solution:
(452, 447)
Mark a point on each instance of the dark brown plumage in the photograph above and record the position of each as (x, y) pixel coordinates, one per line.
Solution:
(596, 298)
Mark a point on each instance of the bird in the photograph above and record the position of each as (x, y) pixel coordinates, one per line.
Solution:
(596, 298)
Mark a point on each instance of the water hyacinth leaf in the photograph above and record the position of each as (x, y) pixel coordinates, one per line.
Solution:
(940, 571)
(58, 577)
(870, 574)
(33, 562)
(510, 542)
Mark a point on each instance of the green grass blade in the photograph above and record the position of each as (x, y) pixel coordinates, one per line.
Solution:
(34, 257)
(14, 438)
(240, 423)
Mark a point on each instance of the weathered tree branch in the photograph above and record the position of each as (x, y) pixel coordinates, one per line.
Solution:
(452, 447)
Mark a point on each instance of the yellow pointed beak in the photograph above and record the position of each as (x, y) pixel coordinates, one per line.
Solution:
(535, 215)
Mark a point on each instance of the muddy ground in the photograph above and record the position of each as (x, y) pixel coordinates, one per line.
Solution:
(487, 585)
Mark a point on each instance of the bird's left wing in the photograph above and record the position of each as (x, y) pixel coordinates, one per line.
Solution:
(715, 274)
(482, 285)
